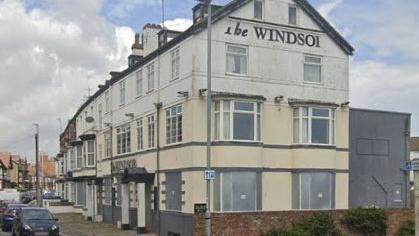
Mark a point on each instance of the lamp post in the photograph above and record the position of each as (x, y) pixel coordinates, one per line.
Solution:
(38, 197)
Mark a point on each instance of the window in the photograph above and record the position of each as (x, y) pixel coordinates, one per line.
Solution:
(107, 191)
(175, 63)
(151, 131)
(108, 144)
(174, 124)
(100, 118)
(139, 80)
(236, 60)
(258, 9)
(84, 155)
(314, 125)
(107, 104)
(238, 191)
(123, 137)
(140, 143)
(292, 15)
(79, 156)
(174, 191)
(72, 159)
(90, 153)
(312, 69)
(315, 191)
(122, 93)
(150, 77)
(237, 120)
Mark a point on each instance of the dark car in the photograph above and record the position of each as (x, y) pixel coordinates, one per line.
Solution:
(9, 216)
(35, 221)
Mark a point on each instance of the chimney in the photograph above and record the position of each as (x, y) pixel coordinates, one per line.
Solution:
(200, 11)
(150, 38)
(137, 51)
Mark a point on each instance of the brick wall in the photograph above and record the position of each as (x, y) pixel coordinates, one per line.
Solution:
(255, 223)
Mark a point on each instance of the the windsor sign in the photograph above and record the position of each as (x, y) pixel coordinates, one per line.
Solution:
(275, 35)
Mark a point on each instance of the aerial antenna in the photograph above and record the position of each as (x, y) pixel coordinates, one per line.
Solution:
(162, 14)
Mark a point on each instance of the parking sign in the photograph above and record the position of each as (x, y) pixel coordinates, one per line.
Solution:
(209, 174)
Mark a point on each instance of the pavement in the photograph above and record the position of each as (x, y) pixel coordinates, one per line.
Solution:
(74, 225)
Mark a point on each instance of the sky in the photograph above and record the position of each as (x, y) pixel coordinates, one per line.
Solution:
(53, 52)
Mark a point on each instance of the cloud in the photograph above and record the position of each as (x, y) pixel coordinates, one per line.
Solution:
(121, 8)
(326, 8)
(51, 55)
(179, 24)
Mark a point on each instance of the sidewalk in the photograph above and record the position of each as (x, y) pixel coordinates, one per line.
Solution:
(74, 225)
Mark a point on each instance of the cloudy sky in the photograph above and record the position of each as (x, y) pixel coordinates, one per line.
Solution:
(53, 51)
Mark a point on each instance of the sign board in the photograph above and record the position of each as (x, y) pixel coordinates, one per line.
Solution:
(209, 174)
(119, 166)
(408, 166)
(200, 208)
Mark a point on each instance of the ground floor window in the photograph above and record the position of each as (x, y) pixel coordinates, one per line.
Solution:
(174, 191)
(315, 191)
(107, 191)
(239, 191)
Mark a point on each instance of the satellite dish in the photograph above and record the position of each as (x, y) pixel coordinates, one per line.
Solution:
(89, 119)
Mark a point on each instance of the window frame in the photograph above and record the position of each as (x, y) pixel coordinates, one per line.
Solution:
(140, 138)
(332, 125)
(123, 137)
(257, 120)
(79, 157)
(151, 131)
(330, 190)
(227, 53)
(150, 77)
(313, 64)
(90, 153)
(122, 93)
(170, 115)
(221, 191)
(139, 83)
(296, 14)
(108, 144)
(175, 63)
(262, 16)
(107, 102)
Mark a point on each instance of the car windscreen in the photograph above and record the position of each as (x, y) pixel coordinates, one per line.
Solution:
(36, 215)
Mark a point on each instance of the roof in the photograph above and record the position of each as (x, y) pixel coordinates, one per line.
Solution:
(414, 144)
(219, 14)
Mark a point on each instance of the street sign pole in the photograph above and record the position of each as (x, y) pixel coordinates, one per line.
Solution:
(415, 167)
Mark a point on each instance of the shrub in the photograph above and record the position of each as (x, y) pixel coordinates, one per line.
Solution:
(369, 221)
(291, 232)
(407, 228)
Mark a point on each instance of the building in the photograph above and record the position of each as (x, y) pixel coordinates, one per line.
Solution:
(4, 176)
(135, 152)
(47, 173)
(17, 172)
(379, 149)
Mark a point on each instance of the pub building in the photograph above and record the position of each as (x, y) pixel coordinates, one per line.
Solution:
(135, 152)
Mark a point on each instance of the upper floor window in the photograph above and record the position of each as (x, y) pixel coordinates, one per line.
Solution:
(237, 120)
(258, 9)
(100, 117)
(236, 59)
(174, 124)
(139, 83)
(140, 141)
(107, 104)
(90, 153)
(292, 15)
(150, 77)
(72, 159)
(151, 130)
(312, 69)
(79, 161)
(123, 139)
(122, 92)
(314, 125)
(108, 144)
(175, 63)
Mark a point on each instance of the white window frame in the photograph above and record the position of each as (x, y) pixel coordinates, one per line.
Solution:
(175, 61)
(100, 116)
(140, 137)
(79, 156)
(173, 114)
(151, 131)
(150, 77)
(310, 117)
(296, 14)
(90, 155)
(107, 103)
(72, 159)
(108, 144)
(257, 132)
(315, 64)
(123, 137)
(263, 9)
(122, 93)
(238, 54)
(221, 193)
(299, 190)
(139, 83)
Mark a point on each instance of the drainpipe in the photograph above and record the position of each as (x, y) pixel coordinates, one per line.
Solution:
(407, 158)
(158, 107)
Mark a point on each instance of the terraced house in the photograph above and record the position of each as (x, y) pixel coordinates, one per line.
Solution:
(135, 152)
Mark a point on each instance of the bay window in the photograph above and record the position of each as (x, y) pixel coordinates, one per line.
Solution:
(315, 191)
(236, 59)
(174, 124)
(237, 120)
(314, 125)
(123, 137)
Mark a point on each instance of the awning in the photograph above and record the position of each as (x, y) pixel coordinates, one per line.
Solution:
(135, 174)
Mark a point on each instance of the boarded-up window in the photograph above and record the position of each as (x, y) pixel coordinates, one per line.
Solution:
(376, 147)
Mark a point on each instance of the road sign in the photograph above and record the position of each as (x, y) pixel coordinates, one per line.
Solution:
(200, 208)
(408, 166)
(209, 174)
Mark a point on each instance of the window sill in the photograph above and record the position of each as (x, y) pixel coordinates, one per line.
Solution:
(237, 75)
(313, 83)
(150, 91)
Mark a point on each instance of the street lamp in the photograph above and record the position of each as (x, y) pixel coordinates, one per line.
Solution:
(38, 197)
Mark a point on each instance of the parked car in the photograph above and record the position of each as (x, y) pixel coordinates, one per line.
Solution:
(35, 221)
(9, 216)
